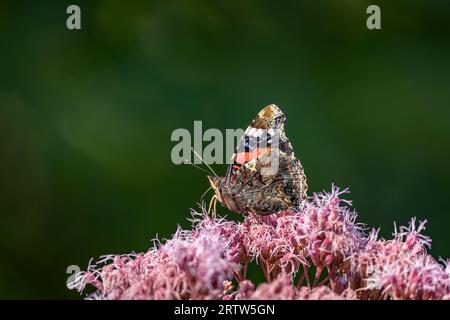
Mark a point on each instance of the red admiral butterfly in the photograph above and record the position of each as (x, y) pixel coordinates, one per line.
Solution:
(265, 177)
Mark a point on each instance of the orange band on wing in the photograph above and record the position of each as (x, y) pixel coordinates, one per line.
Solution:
(244, 157)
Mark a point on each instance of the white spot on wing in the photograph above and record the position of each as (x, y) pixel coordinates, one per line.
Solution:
(258, 132)
(250, 131)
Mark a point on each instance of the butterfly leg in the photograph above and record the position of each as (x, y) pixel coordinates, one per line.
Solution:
(252, 214)
(212, 206)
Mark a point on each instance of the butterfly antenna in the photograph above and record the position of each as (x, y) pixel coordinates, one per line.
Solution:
(199, 168)
(195, 152)
(204, 193)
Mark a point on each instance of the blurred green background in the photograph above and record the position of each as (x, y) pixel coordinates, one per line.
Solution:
(86, 116)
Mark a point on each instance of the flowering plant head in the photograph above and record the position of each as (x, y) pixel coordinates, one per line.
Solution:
(210, 261)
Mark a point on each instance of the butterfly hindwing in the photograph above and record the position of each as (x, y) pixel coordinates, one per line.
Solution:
(265, 194)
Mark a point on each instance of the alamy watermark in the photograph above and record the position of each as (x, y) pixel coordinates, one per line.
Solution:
(212, 146)
(373, 22)
(215, 152)
(74, 271)
(73, 21)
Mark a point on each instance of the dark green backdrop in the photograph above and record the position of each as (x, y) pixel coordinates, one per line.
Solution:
(86, 116)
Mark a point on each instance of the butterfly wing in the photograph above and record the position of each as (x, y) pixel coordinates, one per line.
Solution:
(266, 193)
(265, 176)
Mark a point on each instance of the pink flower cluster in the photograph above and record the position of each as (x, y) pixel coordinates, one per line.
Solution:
(318, 253)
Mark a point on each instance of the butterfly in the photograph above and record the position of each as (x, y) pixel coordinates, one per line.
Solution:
(264, 176)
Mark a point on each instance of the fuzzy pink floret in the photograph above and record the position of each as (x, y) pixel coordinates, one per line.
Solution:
(210, 261)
